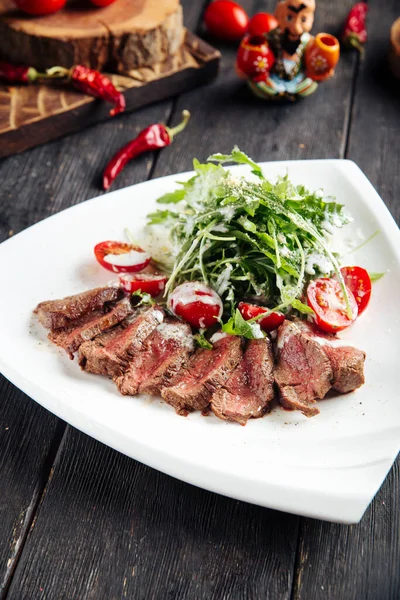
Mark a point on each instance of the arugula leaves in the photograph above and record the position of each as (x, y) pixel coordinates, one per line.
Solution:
(238, 157)
(202, 342)
(376, 276)
(238, 326)
(249, 238)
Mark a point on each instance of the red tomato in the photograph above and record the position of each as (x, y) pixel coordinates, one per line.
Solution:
(325, 297)
(261, 23)
(40, 7)
(269, 323)
(120, 257)
(226, 20)
(102, 2)
(196, 303)
(254, 57)
(358, 281)
(145, 282)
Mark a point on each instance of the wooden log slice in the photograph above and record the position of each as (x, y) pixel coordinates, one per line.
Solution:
(129, 34)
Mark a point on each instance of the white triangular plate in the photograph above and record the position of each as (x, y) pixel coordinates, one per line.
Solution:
(328, 467)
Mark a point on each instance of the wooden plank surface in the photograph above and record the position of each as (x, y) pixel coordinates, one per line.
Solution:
(141, 534)
(108, 527)
(336, 562)
(28, 442)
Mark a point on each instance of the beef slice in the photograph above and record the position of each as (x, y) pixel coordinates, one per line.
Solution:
(206, 372)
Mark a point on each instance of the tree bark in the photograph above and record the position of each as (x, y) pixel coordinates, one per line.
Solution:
(126, 35)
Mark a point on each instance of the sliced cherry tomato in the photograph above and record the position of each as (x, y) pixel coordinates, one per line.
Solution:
(120, 257)
(261, 23)
(102, 2)
(269, 323)
(226, 20)
(145, 282)
(325, 297)
(196, 303)
(40, 7)
(358, 281)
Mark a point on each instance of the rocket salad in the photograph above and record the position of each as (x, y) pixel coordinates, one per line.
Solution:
(247, 253)
(250, 239)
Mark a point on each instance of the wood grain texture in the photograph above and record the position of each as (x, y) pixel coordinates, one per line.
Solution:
(35, 114)
(29, 437)
(55, 176)
(123, 36)
(374, 141)
(141, 534)
(337, 562)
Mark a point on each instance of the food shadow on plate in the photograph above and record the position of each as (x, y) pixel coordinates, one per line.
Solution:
(90, 275)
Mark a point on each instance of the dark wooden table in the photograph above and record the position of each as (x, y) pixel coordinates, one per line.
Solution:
(78, 520)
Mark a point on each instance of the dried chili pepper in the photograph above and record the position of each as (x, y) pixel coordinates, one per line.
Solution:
(93, 83)
(355, 29)
(12, 73)
(152, 138)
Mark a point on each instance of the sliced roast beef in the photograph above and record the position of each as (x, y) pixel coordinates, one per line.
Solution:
(249, 390)
(347, 362)
(55, 314)
(163, 355)
(88, 326)
(260, 368)
(109, 354)
(303, 371)
(207, 371)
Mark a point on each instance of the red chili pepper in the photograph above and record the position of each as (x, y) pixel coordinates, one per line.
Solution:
(93, 83)
(355, 30)
(11, 73)
(152, 138)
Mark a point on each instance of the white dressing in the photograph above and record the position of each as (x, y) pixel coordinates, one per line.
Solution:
(127, 259)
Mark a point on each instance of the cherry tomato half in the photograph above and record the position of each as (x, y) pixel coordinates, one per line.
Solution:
(269, 323)
(358, 281)
(102, 2)
(120, 257)
(226, 20)
(196, 303)
(325, 297)
(40, 7)
(145, 282)
(261, 23)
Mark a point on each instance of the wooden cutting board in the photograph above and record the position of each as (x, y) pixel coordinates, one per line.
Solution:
(35, 114)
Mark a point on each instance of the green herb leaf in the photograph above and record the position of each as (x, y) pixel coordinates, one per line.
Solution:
(161, 216)
(202, 341)
(238, 157)
(145, 299)
(376, 276)
(238, 326)
(172, 198)
(301, 307)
